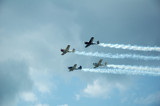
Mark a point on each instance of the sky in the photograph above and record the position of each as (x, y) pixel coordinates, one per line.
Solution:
(33, 72)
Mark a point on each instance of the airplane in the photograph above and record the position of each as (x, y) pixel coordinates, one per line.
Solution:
(99, 64)
(72, 68)
(64, 51)
(90, 42)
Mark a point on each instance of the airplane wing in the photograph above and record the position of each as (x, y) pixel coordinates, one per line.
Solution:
(91, 40)
(67, 48)
(74, 67)
(87, 45)
(63, 53)
(100, 61)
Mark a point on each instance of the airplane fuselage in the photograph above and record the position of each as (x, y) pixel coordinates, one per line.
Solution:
(72, 68)
(90, 42)
(97, 65)
(63, 51)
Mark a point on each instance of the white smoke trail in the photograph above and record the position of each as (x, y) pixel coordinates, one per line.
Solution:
(140, 68)
(118, 56)
(129, 47)
(121, 71)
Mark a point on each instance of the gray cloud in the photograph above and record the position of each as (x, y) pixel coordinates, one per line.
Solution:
(37, 30)
(14, 79)
(152, 99)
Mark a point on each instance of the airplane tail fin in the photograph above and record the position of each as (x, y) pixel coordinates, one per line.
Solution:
(97, 42)
(73, 50)
(105, 63)
(80, 67)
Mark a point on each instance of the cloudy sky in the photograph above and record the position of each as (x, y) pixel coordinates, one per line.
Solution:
(33, 73)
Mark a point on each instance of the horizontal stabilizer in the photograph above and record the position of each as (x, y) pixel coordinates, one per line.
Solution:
(97, 42)
(105, 63)
(73, 50)
(80, 67)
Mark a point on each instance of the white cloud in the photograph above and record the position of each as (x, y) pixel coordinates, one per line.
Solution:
(63, 105)
(29, 96)
(97, 89)
(103, 88)
(42, 104)
(120, 86)
(42, 80)
(77, 97)
(150, 99)
(43, 88)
